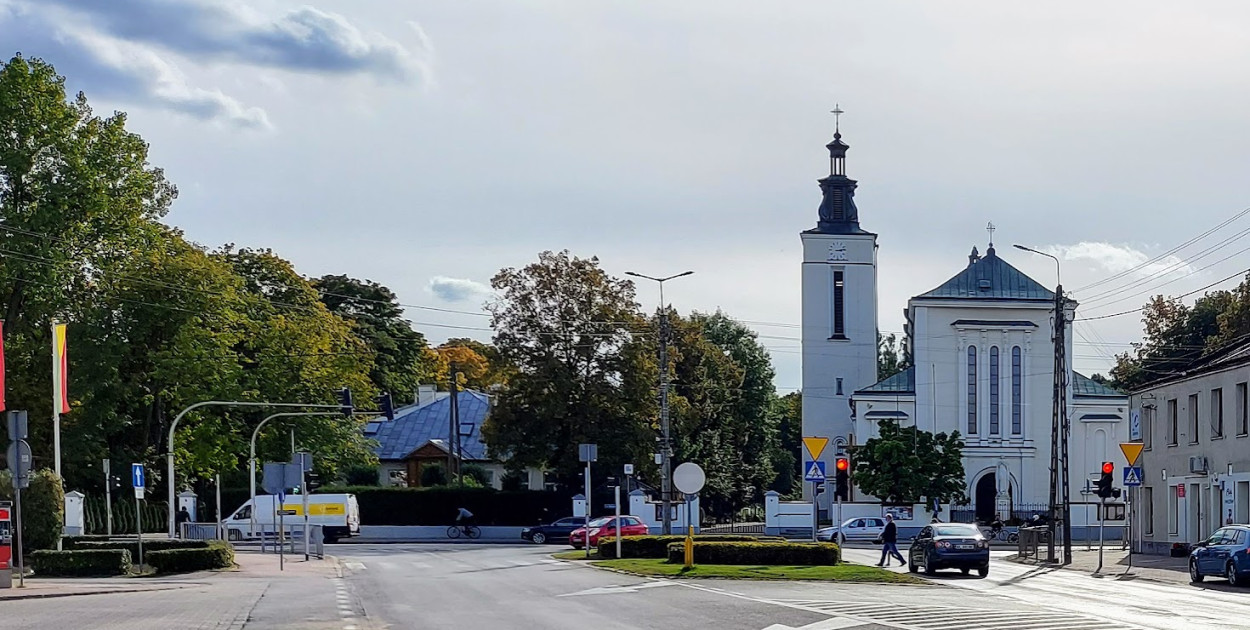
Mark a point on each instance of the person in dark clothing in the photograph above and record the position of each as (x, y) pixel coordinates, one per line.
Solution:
(183, 516)
(889, 543)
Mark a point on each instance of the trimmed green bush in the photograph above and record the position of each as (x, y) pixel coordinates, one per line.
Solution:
(657, 546)
(70, 543)
(773, 553)
(80, 563)
(149, 545)
(216, 555)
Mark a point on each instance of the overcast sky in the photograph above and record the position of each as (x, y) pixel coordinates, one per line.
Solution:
(425, 145)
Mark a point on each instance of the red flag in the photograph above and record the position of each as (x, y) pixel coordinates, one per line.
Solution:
(61, 367)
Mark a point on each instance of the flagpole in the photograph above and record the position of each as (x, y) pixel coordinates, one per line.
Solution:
(56, 401)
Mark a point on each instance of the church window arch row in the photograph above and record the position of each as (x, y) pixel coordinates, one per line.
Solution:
(994, 393)
(972, 390)
(1017, 391)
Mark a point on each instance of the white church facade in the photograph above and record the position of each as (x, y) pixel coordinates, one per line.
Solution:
(982, 364)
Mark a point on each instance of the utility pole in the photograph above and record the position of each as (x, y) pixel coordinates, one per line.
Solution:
(666, 447)
(1060, 427)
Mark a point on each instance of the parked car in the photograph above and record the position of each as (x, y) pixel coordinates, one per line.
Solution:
(949, 546)
(1226, 553)
(553, 532)
(860, 528)
(600, 527)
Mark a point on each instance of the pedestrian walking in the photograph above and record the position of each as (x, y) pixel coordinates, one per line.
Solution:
(889, 543)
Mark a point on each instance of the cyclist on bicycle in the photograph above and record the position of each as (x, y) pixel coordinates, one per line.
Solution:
(996, 528)
(464, 519)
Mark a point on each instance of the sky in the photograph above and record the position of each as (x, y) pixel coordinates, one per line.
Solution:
(426, 145)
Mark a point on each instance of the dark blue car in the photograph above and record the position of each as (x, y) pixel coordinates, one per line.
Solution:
(557, 532)
(1224, 554)
(950, 546)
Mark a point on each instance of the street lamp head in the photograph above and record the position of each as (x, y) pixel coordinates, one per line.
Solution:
(636, 275)
(684, 273)
(1019, 246)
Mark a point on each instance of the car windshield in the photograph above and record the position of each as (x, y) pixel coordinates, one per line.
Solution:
(600, 522)
(955, 530)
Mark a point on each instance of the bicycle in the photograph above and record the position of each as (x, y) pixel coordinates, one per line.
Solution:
(1003, 535)
(468, 531)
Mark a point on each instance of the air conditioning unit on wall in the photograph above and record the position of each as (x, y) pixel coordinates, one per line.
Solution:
(1198, 465)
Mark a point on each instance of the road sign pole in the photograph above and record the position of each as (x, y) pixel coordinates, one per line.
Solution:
(108, 497)
(815, 510)
(589, 502)
(139, 529)
(618, 520)
(17, 518)
(281, 542)
(1102, 519)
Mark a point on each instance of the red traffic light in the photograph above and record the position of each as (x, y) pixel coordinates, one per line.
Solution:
(842, 463)
(1108, 468)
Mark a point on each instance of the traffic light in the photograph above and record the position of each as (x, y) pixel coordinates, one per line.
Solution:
(1104, 488)
(313, 480)
(384, 403)
(841, 481)
(345, 401)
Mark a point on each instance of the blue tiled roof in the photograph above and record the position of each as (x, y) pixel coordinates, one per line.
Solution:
(1084, 386)
(990, 278)
(414, 425)
(902, 383)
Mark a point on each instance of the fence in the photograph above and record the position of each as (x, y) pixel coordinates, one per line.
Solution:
(1020, 513)
(200, 531)
(155, 516)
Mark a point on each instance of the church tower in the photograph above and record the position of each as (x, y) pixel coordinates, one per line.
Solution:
(839, 308)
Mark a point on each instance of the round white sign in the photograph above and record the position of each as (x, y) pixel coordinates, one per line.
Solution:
(689, 478)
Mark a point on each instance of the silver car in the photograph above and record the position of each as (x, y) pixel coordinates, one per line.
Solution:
(858, 528)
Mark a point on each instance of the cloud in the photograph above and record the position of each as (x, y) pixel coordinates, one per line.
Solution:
(305, 39)
(1119, 258)
(122, 70)
(458, 289)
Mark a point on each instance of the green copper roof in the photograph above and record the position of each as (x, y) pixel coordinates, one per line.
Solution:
(1084, 386)
(990, 278)
(902, 383)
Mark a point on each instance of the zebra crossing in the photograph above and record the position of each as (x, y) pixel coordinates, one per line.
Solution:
(958, 617)
(422, 563)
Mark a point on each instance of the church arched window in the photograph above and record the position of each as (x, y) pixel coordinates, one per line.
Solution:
(972, 390)
(994, 426)
(1017, 392)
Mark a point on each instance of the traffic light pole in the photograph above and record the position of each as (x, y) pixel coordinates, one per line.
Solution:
(251, 458)
(1102, 520)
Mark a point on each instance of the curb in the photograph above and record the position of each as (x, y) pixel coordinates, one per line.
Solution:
(79, 593)
(1137, 576)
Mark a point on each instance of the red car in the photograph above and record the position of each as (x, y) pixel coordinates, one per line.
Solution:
(630, 526)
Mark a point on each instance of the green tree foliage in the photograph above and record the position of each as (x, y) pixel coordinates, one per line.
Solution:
(788, 413)
(402, 360)
(360, 475)
(583, 373)
(481, 364)
(1176, 335)
(433, 475)
(905, 465)
(43, 508)
(891, 356)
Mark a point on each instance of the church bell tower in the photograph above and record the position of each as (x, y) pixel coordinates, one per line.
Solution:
(839, 341)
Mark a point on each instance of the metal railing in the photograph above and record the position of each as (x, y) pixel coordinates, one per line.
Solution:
(1031, 540)
(200, 531)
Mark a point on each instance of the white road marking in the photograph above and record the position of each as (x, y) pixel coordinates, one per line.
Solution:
(613, 590)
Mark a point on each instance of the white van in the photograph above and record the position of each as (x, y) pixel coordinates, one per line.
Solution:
(337, 514)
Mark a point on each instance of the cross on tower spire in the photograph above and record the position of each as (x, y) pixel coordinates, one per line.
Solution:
(989, 227)
(837, 118)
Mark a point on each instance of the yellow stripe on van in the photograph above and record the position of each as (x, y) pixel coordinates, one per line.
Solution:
(317, 509)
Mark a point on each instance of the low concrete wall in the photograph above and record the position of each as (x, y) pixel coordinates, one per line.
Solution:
(435, 533)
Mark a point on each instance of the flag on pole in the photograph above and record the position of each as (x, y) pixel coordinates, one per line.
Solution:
(60, 369)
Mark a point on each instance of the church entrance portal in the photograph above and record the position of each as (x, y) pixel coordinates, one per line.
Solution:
(986, 495)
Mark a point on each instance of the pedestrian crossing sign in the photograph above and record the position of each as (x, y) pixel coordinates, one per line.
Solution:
(1132, 475)
(814, 471)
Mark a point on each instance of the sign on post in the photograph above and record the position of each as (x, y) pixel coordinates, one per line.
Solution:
(1132, 451)
(815, 445)
(1132, 476)
(587, 453)
(17, 425)
(19, 463)
(814, 471)
(137, 480)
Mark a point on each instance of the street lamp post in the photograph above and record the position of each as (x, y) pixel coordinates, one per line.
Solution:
(251, 458)
(666, 449)
(1060, 431)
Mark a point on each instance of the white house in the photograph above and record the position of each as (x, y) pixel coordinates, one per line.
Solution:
(983, 365)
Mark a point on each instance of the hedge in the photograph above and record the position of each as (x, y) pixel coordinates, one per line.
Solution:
(132, 545)
(43, 508)
(79, 563)
(768, 553)
(216, 555)
(71, 542)
(437, 506)
(657, 546)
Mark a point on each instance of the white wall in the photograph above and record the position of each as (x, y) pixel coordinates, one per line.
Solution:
(826, 412)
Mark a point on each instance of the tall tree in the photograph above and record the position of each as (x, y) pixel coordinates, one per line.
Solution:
(891, 358)
(906, 465)
(788, 413)
(1176, 335)
(582, 375)
(497, 370)
(402, 359)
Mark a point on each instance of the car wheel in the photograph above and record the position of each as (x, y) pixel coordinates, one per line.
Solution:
(983, 571)
(929, 569)
(911, 565)
(1194, 575)
(965, 571)
(539, 538)
(1231, 573)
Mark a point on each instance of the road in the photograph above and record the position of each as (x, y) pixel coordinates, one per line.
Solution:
(520, 586)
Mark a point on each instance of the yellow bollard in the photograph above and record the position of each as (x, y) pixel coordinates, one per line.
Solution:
(689, 546)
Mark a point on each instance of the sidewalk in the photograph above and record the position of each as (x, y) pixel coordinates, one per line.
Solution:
(1115, 563)
(68, 587)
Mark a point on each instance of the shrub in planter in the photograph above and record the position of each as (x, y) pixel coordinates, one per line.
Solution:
(149, 545)
(706, 552)
(215, 555)
(79, 563)
(657, 546)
